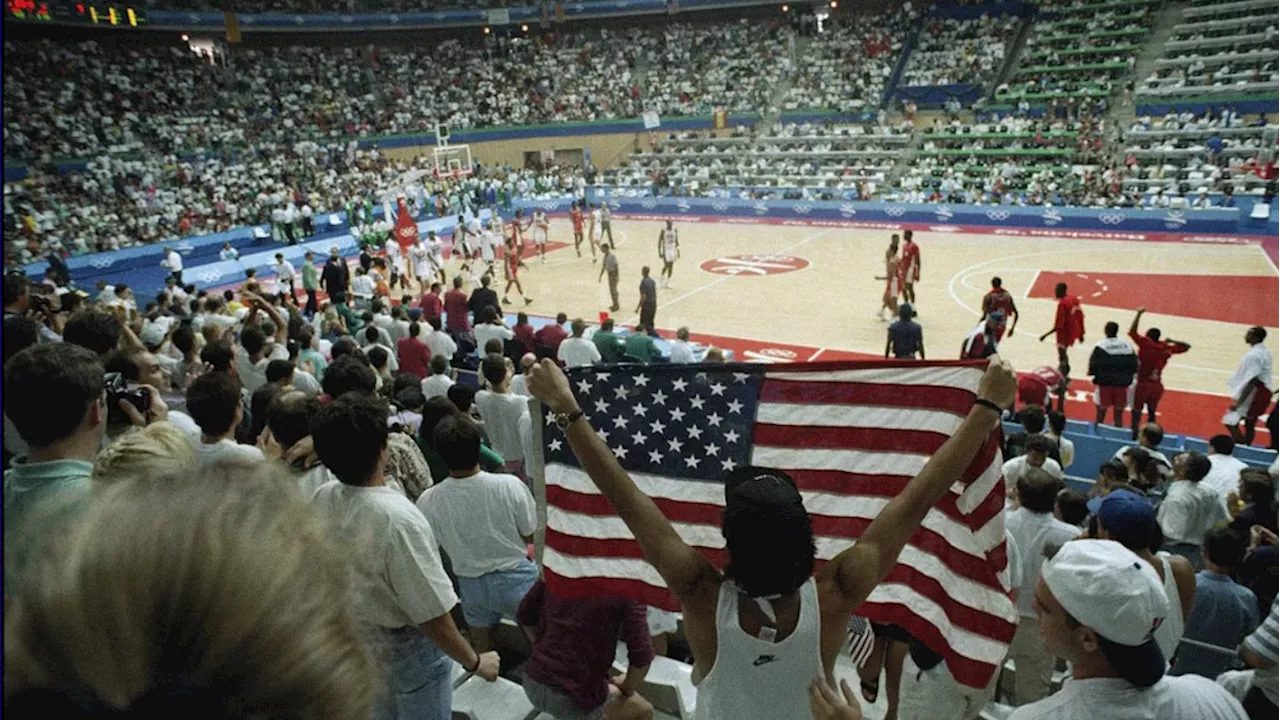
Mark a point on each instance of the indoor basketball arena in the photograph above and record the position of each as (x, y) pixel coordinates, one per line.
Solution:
(632, 359)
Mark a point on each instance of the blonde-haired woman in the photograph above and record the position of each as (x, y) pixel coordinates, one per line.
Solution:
(216, 594)
(157, 449)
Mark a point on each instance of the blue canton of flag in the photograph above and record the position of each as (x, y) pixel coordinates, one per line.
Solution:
(679, 422)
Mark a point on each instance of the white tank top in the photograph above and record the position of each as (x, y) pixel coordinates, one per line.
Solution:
(1169, 634)
(669, 239)
(757, 680)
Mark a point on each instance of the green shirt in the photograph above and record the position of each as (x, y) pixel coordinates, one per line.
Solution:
(29, 489)
(353, 323)
(609, 345)
(490, 461)
(310, 277)
(641, 347)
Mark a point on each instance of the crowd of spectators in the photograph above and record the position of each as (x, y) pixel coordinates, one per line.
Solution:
(328, 6)
(1217, 51)
(952, 52)
(847, 66)
(1183, 157)
(735, 66)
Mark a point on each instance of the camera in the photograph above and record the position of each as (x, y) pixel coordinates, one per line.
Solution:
(117, 390)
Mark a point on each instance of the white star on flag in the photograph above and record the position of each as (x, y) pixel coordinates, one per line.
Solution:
(691, 462)
(621, 452)
(555, 444)
(735, 407)
(604, 435)
(658, 426)
(680, 384)
(741, 377)
(551, 419)
(619, 422)
(695, 432)
(659, 398)
(697, 402)
(640, 410)
(602, 377)
(620, 392)
(728, 465)
(677, 414)
(638, 437)
(714, 419)
(717, 389)
(675, 445)
(642, 380)
(602, 405)
(713, 449)
(655, 457)
(731, 436)
(584, 387)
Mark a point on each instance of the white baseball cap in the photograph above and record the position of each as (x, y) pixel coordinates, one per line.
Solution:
(1110, 590)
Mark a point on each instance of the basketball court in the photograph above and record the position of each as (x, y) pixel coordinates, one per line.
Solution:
(787, 293)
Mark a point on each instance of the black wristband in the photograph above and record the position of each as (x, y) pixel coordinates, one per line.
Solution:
(988, 404)
(472, 670)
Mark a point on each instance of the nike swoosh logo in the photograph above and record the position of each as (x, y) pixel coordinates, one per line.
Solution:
(763, 659)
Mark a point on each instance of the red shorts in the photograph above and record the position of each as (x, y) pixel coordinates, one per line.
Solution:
(1147, 393)
(1107, 396)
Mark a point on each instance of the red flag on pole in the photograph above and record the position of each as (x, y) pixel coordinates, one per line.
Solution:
(406, 228)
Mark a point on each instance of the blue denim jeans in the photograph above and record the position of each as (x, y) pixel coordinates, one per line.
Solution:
(492, 596)
(419, 684)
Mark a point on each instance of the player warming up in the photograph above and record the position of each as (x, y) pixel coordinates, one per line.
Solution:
(910, 267)
(999, 299)
(1153, 355)
(435, 259)
(541, 228)
(1069, 325)
(597, 230)
(575, 216)
(669, 252)
(892, 280)
(512, 263)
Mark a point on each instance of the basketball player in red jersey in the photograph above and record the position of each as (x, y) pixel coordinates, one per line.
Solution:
(999, 299)
(511, 262)
(1040, 385)
(892, 280)
(575, 215)
(518, 228)
(1153, 355)
(910, 267)
(1069, 325)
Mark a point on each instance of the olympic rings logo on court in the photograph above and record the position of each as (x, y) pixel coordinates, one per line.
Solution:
(895, 211)
(754, 265)
(1111, 218)
(998, 215)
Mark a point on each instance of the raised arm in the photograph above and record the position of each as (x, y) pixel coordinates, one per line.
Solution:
(1133, 326)
(689, 575)
(854, 573)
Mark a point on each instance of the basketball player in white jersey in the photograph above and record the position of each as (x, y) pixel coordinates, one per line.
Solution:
(435, 258)
(422, 270)
(892, 281)
(597, 231)
(464, 240)
(541, 228)
(669, 251)
(766, 626)
(490, 239)
(394, 260)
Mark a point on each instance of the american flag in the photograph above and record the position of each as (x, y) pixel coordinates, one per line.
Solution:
(862, 640)
(850, 434)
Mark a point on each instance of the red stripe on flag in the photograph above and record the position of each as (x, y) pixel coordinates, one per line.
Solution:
(929, 397)
(889, 486)
(598, 505)
(582, 588)
(966, 671)
(809, 437)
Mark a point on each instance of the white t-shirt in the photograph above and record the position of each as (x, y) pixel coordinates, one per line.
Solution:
(681, 353)
(1189, 510)
(399, 578)
(311, 480)
(173, 261)
(501, 413)
(1188, 697)
(225, 450)
(439, 343)
(284, 271)
(1030, 532)
(436, 386)
(578, 352)
(254, 375)
(485, 332)
(481, 521)
(1066, 449)
(1224, 475)
(1015, 467)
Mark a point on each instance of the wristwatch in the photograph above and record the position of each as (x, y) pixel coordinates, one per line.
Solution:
(564, 420)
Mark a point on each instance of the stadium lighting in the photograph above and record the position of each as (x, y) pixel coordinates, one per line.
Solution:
(833, 4)
(486, 31)
(524, 28)
(185, 37)
(785, 8)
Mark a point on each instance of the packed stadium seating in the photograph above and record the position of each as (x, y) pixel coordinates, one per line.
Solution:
(847, 67)
(1218, 48)
(951, 51)
(1183, 154)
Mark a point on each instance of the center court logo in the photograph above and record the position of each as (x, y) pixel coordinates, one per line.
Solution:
(754, 265)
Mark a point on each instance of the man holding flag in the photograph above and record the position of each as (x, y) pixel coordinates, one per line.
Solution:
(765, 627)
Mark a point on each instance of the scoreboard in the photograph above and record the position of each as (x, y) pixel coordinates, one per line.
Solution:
(76, 12)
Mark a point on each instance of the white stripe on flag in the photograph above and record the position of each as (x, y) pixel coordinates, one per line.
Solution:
(858, 416)
(959, 587)
(655, 486)
(971, 645)
(854, 461)
(978, 490)
(834, 505)
(964, 378)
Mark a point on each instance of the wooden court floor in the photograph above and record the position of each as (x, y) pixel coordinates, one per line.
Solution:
(815, 287)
